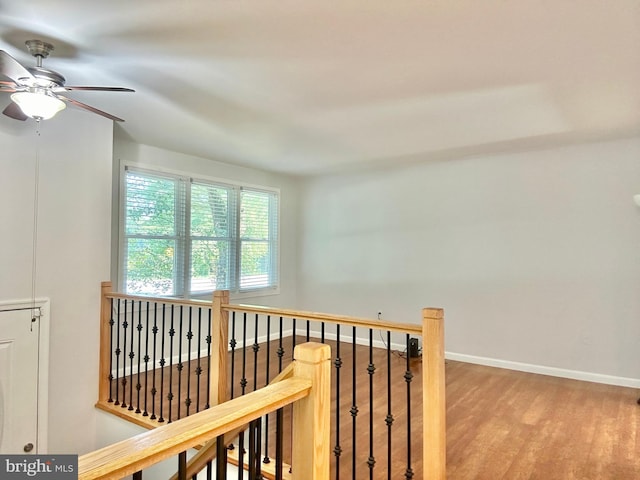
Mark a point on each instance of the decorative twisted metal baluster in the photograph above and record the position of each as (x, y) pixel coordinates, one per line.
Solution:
(252, 451)
(132, 355)
(256, 348)
(354, 405)
(408, 377)
(243, 380)
(389, 418)
(233, 342)
(279, 437)
(221, 459)
(208, 404)
(111, 323)
(187, 400)
(280, 348)
(371, 369)
(180, 364)
(337, 450)
(118, 352)
(162, 361)
(139, 328)
(125, 324)
(172, 333)
(266, 458)
(198, 369)
(154, 390)
(241, 452)
(146, 363)
(182, 466)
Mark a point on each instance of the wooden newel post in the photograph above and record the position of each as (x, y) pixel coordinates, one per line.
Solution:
(105, 342)
(312, 415)
(219, 346)
(433, 391)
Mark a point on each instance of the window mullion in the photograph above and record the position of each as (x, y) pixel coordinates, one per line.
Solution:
(182, 243)
(237, 241)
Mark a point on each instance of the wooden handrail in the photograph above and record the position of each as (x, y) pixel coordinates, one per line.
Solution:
(145, 298)
(328, 317)
(137, 453)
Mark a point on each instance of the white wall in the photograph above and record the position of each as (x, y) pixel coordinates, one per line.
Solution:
(153, 156)
(74, 209)
(535, 257)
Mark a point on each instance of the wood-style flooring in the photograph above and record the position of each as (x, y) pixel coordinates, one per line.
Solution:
(511, 425)
(501, 424)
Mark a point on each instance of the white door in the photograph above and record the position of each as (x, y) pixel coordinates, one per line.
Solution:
(19, 340)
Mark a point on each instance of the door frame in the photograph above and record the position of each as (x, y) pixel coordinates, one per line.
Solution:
(44, 305)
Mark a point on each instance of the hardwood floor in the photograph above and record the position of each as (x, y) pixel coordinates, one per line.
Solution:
(501, 424)
(511, 425)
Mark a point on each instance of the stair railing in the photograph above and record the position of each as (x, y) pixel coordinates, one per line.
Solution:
(308, 389)
(162, 359)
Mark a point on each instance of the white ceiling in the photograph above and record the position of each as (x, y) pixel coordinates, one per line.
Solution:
(308, 87)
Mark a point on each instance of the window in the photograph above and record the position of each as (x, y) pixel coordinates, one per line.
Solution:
(183, 236)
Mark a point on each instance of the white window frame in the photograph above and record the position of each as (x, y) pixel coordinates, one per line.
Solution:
(182, 275)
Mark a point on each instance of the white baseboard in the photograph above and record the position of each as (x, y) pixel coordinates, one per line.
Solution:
(542, 370)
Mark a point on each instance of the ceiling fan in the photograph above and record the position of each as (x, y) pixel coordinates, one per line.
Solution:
(36, 90)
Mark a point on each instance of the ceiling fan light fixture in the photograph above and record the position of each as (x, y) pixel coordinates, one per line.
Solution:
(37, 103)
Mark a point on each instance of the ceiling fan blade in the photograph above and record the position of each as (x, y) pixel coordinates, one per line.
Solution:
(14, 111)
(90, 108)
(99, 89)
(9, 67)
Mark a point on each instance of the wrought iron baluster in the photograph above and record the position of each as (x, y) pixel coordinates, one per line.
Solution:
(308, 330)
(139, 328)
(221, 459)
(337, 450)
(172, 333)
(279, 437)
(256, 348)
(146, 363)
(371, 369)
(252, 450)
(258, 448)
(408, 376)
(131, 356)
(198, 367)
(137, 475)
(389, 418)
(111, 323)
(162, 361)
(266, 458)
(182, 466)
(354, 404)
(154, 391)
(187, 401)
(243, 380)
(293, 338)
(118, 351)
(125, 325)
(180, 365)
(208, 404)
(322, 332)
(233, 342)
(210, 470)
(241, 451)
(280, 349)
